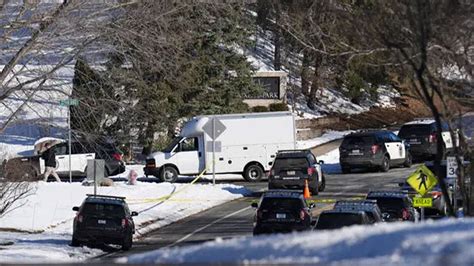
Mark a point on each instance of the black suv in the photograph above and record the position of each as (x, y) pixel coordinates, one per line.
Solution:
(292, 168)
(103, 220)
(373, 149)
(422, 137)
(335, 219)
(368, 206)
(282, 211)
(395, 205)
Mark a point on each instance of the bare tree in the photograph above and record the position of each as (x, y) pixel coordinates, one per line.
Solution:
(425, 39)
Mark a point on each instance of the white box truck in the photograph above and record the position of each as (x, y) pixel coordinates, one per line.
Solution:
(247, 146)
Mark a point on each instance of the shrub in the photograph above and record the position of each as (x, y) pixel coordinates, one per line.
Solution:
(355, 86)
(276, 107)
(259, 109)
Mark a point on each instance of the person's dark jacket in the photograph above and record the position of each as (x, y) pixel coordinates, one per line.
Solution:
(49, 158)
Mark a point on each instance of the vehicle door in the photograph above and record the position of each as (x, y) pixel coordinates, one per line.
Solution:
(79, 156)
(189, 156)
(392, 146)
(62, 163)
(400, 146)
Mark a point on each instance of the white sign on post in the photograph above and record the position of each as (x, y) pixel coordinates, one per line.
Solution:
(214, 128)
(451, 167)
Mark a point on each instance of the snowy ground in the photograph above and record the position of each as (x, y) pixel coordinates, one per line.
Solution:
(45, 219)
(447, 242)
(325, 138)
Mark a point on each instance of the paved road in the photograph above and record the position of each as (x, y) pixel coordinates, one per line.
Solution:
(235, 218)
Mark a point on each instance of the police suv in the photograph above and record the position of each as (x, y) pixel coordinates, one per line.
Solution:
(379, 149)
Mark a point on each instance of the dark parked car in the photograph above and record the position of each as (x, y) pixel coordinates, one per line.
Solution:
(335, 219)
(103, 220)
(394, 205)
(370, 207)
(422, 137)
(373, 149)
(282, 211)
(292, 168)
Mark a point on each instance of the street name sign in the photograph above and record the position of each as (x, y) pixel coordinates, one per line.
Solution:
(69, 102)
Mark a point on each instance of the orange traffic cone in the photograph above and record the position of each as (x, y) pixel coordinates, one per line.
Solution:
(306, 193)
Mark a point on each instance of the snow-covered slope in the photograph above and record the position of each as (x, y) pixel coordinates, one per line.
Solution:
(48, 213)
(448, 242)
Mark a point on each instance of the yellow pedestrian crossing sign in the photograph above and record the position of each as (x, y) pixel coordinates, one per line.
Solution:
(422, 180)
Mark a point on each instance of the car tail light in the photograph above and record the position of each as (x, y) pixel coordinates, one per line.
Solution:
(405, 214)
(311, 170)
(124, 223)
(117, 156)
(374, 148)
(302, 214)
(79, 218)
(432, 138)
(271, 172)
(436, 194)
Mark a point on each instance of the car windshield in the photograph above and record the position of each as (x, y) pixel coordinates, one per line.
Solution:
(358, 140)
(281, 204)
(338, 220)
(106, 210)
(415, 130)
(390, 205)
(291, 163)
(173, 144)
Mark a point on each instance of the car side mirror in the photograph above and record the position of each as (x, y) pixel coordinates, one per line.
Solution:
(313, 223)
(312, 205)
(254, 205)
(75, 208)
(321, 162)
(134, 213)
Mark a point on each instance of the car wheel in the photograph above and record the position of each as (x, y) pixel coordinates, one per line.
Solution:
(257, 232)
(127, 242)
(169, 174)
(346, 169)
(253, 173)
(385, 164)
(270, 186)
(314, 188)
(409, 161)
(75, 242)
(322, 186)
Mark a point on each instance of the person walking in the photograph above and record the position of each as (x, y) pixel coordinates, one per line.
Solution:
(49, 157)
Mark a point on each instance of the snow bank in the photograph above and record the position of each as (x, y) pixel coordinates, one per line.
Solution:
(432, 243)
(49, 213)
(325, 138)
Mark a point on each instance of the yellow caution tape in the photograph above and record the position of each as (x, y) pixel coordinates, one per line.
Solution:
(167, 197)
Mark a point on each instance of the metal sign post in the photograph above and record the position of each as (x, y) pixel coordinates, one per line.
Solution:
(214, 128)
(69, 102)
(452, 169)
(213, 151)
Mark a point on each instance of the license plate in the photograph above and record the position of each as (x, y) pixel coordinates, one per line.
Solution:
(101, 221)
(414, 141)
(281, 215)
(355, 152)
(291, 178)
(290, 172)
